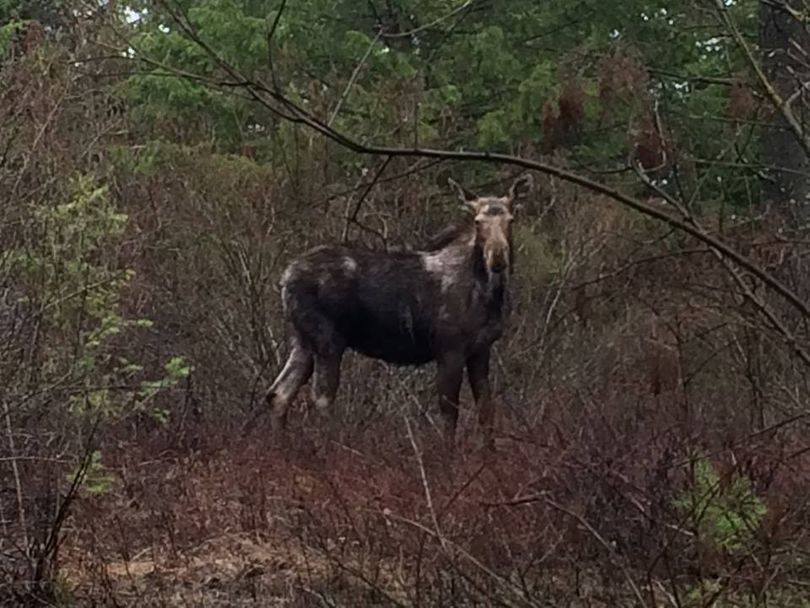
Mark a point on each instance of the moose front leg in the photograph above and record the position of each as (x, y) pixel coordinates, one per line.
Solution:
(450, 373)
(478, 374)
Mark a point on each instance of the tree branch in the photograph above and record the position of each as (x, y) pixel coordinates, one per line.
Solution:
(433, 23)
(353, 78)
(781, 105)
(273, 99)
(270, 35)
(746, 289)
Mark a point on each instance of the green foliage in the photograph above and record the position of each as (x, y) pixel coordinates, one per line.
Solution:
(493, 129)
(726, 515)
(50, 13)
(72, 280)
(8, 31)
(96, 479)
(176, 370)
(702, 594)
(480, 82)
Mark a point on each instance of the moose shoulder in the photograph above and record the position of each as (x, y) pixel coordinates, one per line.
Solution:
(444, 304)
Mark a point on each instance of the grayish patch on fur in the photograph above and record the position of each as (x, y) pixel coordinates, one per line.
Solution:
(283, 390)
(447, 264)
(288, 274)
(349, 265)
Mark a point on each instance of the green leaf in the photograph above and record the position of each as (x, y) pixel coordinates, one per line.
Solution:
(177, 369)
(492, 129)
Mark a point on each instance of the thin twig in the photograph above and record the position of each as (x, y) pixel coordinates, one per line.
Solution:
(270, 35)
(781, 105)
(431, 24)
(353, 78)
(747, 291)
(448, 545)
(352, 217)
(425, 485)
(601, 540)
(15, 470)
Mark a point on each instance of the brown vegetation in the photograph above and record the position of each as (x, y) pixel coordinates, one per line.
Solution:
(651, 431)
(601, 423)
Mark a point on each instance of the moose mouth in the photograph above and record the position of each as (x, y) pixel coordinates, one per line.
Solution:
(497, 279)
(495, 262)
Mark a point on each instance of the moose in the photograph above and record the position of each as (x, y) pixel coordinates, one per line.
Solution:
(445, 303)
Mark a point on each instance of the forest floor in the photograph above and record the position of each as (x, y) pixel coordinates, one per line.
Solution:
(240, 523)
(386, 519)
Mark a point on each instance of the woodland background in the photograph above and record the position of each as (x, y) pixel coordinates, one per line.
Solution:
(160, 163)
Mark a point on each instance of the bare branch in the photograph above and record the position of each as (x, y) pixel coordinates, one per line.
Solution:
(352, 218)
(748, 292)
(272, 100)
(353, 78)
(270, 35)
(433, 23)
(601, 540)
(780, 104)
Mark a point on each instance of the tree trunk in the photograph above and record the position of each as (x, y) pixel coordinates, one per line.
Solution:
(785, 47)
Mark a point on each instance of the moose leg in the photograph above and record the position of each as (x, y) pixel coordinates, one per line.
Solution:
(293, 376)
(478, 374)
(327, 379)
(450, 373)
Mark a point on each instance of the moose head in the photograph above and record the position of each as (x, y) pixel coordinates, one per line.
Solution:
(493, 223)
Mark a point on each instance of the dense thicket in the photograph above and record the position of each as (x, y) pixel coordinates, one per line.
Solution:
(652, 393)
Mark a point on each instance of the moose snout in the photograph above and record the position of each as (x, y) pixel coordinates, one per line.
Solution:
(497, 260)
(498, 264)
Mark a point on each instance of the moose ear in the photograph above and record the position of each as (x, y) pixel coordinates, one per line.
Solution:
(465, 195)
(520, 187)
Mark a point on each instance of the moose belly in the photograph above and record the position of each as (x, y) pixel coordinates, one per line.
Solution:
(392, 339)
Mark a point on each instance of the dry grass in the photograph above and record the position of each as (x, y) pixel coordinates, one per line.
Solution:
(558, 516)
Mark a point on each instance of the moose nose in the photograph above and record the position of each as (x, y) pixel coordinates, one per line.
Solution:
(498, 265)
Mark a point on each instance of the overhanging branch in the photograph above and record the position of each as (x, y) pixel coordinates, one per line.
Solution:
(279, 104)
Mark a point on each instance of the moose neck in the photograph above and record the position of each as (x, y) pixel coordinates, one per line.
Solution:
(493, 285)
(458, 259)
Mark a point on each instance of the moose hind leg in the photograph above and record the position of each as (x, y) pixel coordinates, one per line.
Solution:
(292, 377)
(326, 381)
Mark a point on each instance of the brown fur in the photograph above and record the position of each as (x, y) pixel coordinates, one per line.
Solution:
(445, 303)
